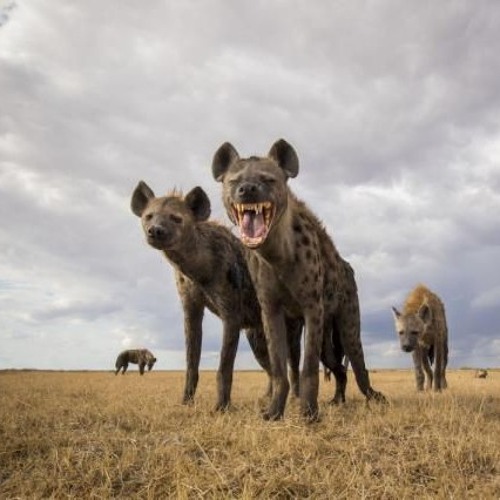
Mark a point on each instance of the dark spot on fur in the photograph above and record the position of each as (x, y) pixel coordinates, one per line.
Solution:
(309, 255)
(297, 228)
(235, 276)
(306, 241)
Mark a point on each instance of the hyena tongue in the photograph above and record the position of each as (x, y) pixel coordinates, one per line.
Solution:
(252, 224)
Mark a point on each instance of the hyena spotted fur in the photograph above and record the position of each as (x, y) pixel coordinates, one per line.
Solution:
(422, 330)
(141, 357)
(297, 271)
(210, 272)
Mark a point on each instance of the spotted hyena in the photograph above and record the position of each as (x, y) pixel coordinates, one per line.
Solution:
(422, 330)
(296, 270)
(480, 373)
(210, 272)
(141, 357)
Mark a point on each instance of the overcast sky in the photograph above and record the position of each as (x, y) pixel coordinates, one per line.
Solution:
(393, 108)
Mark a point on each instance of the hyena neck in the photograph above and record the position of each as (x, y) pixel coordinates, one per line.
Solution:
(191, 258)
(279, 248)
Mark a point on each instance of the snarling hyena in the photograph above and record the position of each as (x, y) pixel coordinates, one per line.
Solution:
(296, 270)
(422, 330)
(210, 272)
(141, 357)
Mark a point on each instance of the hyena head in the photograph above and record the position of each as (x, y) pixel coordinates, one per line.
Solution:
(255, 191)
(151, 362)
(168, 220)
(411, 327)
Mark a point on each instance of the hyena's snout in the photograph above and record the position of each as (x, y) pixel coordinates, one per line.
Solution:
(158, 236)
(407, 347)
(248, 192)
(157, 232)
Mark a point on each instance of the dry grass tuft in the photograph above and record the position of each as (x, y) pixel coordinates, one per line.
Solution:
(94, 435)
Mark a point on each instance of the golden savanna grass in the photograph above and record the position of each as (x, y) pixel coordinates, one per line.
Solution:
(94, 435)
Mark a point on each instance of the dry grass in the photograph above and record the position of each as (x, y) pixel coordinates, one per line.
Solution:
(94, 435)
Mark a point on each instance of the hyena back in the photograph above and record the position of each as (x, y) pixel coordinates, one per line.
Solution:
(296, 270)
(141, 357)
(422, 330)
(210, 272)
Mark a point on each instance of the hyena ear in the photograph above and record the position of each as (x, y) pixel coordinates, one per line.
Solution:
(285, 156)
(396, 313)
(140, 198)
(425, 313)
(198, 202)
(224, 157)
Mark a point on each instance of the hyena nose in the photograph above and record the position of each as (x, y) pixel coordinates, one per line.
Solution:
(406, 348)
(246, 189)
(156, 232)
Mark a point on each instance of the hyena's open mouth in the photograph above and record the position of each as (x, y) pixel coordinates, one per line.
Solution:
(254, 221)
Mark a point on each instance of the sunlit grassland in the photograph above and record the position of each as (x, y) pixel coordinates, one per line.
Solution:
(97, 435)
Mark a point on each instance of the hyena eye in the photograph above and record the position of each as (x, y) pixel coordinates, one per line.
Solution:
(148, 216)
(175, 218)
(268, 180)
(401, 332)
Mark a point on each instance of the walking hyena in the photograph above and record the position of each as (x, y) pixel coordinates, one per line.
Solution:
(296, 270)
(210, 271)
(141, 357)
(422, 331)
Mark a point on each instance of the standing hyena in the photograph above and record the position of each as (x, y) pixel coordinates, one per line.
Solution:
(211, 272)
(141, 357)
(296, 270)
(422, 331)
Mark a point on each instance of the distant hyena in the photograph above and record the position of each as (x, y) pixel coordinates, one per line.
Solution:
(211, 273)
(480, 373)
(297, 271)
(141, 357)
(422, 331)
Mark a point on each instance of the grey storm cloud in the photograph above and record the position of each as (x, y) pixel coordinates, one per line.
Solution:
(393, 108)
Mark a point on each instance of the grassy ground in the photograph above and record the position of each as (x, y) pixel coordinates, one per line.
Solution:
(94, 435)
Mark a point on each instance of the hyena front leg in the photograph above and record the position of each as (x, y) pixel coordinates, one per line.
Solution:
(309, 379)
(275, 330)
(427, 367)
(193, 333)
(439, 379)
(418, 356)
(230, 339)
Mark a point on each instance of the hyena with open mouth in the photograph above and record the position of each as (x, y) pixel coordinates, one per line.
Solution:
(296, 270)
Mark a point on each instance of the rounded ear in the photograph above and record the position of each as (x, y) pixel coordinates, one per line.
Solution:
(140, 198)
(198, 202)
(396, 313)
(285, 156)
(224, 157)
(425, 313)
